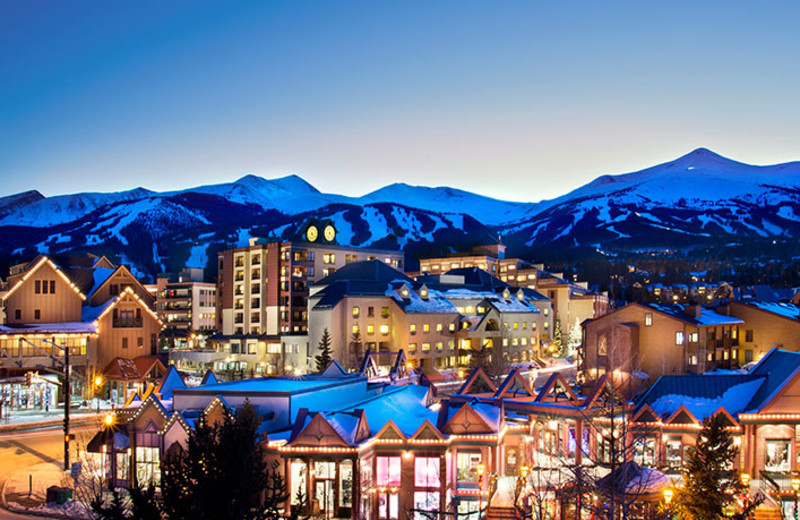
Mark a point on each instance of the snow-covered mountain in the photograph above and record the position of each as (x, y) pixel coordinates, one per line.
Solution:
(699, 198)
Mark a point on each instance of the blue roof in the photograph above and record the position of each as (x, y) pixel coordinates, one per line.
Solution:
(287, 384)
(403, 405)
(778, 366)
(737, 393)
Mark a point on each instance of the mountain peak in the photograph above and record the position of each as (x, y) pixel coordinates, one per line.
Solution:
(293, 183)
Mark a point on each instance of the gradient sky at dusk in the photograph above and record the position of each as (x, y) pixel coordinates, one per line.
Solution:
(520, 100)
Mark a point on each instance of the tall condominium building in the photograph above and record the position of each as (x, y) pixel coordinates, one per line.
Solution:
(186, 305)
(262, 304)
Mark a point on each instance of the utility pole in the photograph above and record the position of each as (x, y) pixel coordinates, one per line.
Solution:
(67, 392)
(65, 377)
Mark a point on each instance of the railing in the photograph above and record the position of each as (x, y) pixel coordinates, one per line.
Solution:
(120, 323)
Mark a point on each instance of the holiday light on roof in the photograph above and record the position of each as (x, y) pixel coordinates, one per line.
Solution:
(42, 261)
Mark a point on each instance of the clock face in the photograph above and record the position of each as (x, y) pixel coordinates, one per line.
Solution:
(330, 233)
(312, 234)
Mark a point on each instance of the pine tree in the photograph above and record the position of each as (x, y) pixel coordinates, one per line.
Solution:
(357, 353)
(221, 474)
(323, 359)
(557, 346)
(575, 337)
(712, 482)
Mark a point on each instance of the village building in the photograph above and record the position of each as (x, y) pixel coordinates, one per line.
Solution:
(644, 342)
(98, 310)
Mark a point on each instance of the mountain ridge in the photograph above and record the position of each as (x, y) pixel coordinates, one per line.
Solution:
(701, 197)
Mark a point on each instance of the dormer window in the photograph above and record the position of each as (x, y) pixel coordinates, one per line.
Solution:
(506, 294)
(520, 295)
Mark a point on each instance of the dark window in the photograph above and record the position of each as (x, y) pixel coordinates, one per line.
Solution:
(113, 289)
(18, 314)
(748, 336)
(52, 286)
(37, 314)
(140, 341)
(124, 342)
(38, 287)
(748, 356)
(370, 312)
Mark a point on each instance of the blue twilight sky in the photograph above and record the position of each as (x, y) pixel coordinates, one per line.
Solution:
(521, 100)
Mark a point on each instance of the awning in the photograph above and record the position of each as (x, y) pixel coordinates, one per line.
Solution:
(115, 437)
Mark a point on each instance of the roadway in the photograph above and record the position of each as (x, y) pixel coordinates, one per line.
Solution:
(27, 452)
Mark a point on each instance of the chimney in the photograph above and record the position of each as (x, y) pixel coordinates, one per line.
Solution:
(694, 311)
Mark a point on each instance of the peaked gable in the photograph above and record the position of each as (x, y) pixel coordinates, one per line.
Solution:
(557, 388)
(514, 385)
(120, 277)
(682, 416)
(729, 420)
(172, 380)
(646, 415)
(319, 433)
(390, 431)
(427, 432)
(44, 263)
(478, 383)
(465, 421)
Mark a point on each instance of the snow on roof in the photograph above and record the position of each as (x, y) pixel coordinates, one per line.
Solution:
(278, 384)
(787, 310)
(89, 313)
(69, 327)
(100, 274)
(414, 303)
(735, 399)
(403, 405)
(707, 317)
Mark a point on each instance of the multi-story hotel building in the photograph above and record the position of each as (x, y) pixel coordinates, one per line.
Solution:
(187, 304)
(263, 289)
(437, 320)
(572, 301)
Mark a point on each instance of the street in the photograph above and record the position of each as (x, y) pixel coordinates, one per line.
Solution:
(27, 453)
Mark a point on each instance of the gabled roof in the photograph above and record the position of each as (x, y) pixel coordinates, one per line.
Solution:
(172, 379)
(778, 367)
(514, 385)
(550, 390)
(35, 266)
(209, 378)
(478, 383)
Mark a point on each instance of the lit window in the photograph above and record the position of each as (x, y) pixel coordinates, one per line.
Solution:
(438, 327)
(356, 312)
(388, 471)
(426, 327)
(412, 328)
(426, 347)
(648, 319)
(384, 329)
(355, 329)
(679, 337)
(412, 347)
(370, 329)
(426, 472)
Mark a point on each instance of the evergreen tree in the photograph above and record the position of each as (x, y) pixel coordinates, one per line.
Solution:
(575, 337)
(221, 474)
(712, 482)
(323, 359)
(357, 347)
(557, 345)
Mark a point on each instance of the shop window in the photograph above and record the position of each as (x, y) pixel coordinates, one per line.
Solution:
(673, 453)
(777, 456)
(467, 467)
(346, 484)
(426, 472)
(645, 451)
(148, 470)
(299, 472)
(387, 471)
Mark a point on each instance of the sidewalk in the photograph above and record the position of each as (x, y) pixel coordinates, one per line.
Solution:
(19, 420)
(26, 491)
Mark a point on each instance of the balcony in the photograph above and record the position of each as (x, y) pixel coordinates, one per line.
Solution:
(126, 323)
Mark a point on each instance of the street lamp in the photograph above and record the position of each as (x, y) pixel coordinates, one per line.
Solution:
(668, 493)
(98, 385)
(109, 419)
(481, 470)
